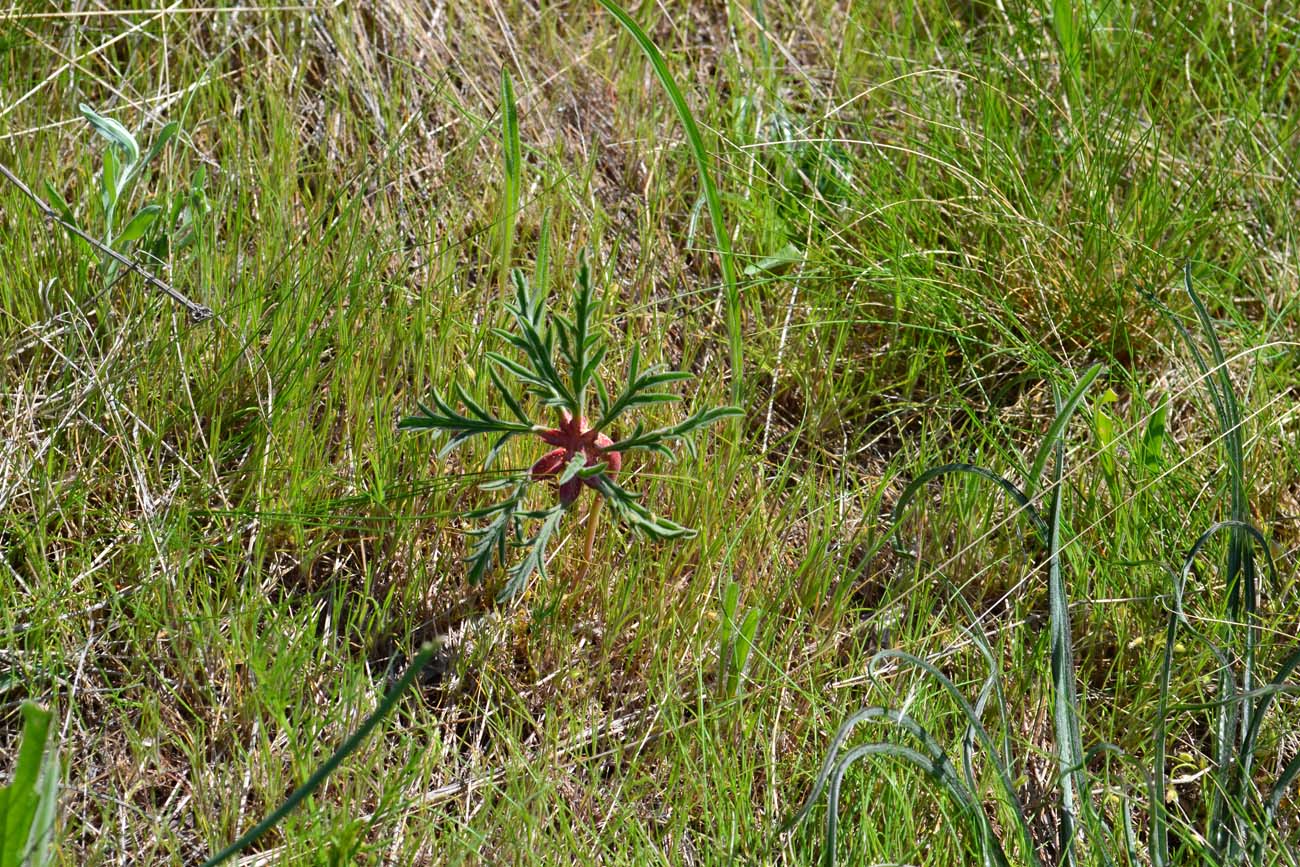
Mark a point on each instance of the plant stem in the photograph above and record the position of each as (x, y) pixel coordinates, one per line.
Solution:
(593, 518)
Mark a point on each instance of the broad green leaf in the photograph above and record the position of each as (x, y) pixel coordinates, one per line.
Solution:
(26, 808)
(730, 600)
(778, 263)
(1103, 426)
(108, 188)
(1153, 439)
(742, 644)
(139, 224)
(167, 133)
(117, 134)
(60, 204)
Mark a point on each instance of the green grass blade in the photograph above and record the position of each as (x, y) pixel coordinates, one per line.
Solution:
(1021, 500)
(1231, 727)
(1236, 705)
(1057, 430)
(1284, 781)
(1158, 842)
(1241, 567)
(714, 201)
(345, 749)
(1069, 743)
(995, 680)
(1289, 666)
(986, 741)
(939, 769)
(514, 174)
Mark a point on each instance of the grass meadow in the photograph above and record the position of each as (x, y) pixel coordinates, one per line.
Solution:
(218, 551)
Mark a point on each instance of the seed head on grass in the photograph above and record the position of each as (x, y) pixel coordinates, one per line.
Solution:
(583, 451)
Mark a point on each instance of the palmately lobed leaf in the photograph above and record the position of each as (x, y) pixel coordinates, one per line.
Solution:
(580, 454)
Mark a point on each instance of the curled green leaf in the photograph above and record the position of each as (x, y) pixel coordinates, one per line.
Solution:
(119, 136)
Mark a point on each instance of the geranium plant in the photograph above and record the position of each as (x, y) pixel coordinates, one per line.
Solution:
(558, 364)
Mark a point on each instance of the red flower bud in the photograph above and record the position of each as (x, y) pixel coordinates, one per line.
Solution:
(570, 438)
(548, 464)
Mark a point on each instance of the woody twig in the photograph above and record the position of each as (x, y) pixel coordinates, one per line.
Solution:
(198, 312)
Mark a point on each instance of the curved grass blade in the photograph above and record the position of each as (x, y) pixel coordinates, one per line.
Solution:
(910, 492)
(992, 689)
(939, 768)
(702, 165)
(1235, 758)
(828, 764)
(513, 170)
(1158, 843)
(1057, 430)
(871, 713)
(1239, 563)
(1284, 781)
(937, 763)
(1289, 666)
(1240, 567)
(345, 749)
(974, 724)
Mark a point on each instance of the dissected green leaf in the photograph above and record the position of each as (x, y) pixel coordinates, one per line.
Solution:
(491, 543)
(629, 509)
(446, 419)
(656, 440)
(534, 559)
(558, 364)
